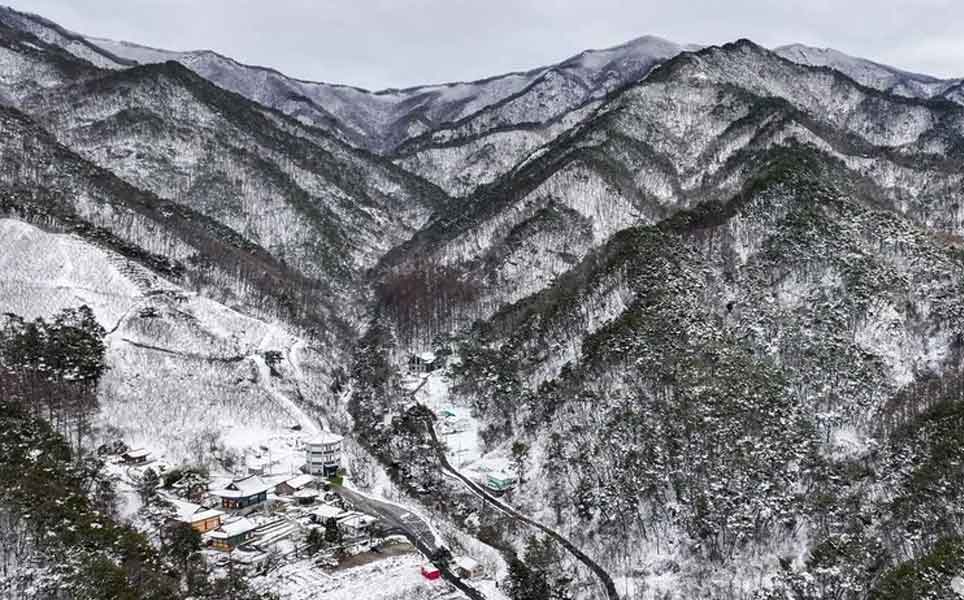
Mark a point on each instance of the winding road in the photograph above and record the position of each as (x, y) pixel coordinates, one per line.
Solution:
(414, 528)
(478, 490)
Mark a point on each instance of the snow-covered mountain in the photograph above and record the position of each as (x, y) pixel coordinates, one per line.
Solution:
(872, 74)
(384, 119)
(718, 287)
(706, 302)
(381, 120)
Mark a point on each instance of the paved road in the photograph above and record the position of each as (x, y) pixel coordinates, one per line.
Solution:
(604, 578)
(417, 531)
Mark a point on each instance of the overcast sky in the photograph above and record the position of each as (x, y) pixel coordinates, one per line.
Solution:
(398, 43)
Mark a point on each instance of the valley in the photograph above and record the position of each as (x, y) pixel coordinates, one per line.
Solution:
(657, 321)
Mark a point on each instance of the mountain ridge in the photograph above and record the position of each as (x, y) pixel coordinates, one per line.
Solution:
(704, 309)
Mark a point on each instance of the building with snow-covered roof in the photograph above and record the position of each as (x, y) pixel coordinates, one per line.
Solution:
(242, 494)
(232, 534)
(306, 496)
(430, 572)
(355, 524)
(323, 454)
(325, 512)
(423, 362)
(498, 481)
(198, 517)
(467, 567)
(137, 457)
(295, 484)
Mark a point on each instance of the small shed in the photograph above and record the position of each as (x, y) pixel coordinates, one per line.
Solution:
(423, 362)
(467, 567)
(306, 497)
(430, 572)
(136, 457)
(291, 486)
(499, 481)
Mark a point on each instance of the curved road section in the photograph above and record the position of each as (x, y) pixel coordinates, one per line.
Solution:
(414, 528)
(480, 491)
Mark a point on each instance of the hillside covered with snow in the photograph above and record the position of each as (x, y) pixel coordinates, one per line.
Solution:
(655, 321)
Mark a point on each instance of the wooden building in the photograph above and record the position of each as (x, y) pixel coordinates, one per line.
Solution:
(294, 485)
(232, 534)
(201, 519)
(243, 494)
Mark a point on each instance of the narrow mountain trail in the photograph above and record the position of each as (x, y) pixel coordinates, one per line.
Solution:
(307, 423)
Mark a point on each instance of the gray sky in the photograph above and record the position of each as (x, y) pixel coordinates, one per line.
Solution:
(399, 43)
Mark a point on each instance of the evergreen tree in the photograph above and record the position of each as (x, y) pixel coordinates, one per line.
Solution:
(526, 584)
(316, 541)
(520, 457)
(180, 543)
(147, 486)
(332, 533)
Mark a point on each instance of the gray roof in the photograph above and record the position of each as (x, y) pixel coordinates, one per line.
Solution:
(243, 488)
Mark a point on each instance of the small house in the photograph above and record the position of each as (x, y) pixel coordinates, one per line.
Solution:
(232, 534)
(499, 481)
(325, 512)
(136, 457)
(424, 362)
(295, 484)
(355, 524)
(467, 567)
(430, 572)
(201, 519)
(306, 497)
(243, 494)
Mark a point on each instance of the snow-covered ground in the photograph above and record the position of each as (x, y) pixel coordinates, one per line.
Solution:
(457, 426)
(394, 578)
(42, 273)
(187, 377)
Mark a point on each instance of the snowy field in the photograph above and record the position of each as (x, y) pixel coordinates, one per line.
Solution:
(457, 426)
(394, 578)
(187, 376)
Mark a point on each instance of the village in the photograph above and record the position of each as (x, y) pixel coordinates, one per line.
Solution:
(308, 525)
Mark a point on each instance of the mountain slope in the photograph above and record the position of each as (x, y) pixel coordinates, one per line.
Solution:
(181, 368)
(872, 74)
(706, 304)
(688, 385)
(53, 34)
(703, 311)
(326, 209)
(680, 138)
(382, 120)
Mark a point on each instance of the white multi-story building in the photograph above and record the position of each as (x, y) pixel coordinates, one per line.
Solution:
(323, 454)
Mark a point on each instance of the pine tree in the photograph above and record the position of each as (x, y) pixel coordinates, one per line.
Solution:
(180, 544)
(147, 487)
(332, 533)
(315, 540)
